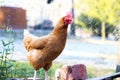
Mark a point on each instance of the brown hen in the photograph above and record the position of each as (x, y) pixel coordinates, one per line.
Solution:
(43, 50)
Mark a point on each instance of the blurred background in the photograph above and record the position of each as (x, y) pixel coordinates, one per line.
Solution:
(93, 36)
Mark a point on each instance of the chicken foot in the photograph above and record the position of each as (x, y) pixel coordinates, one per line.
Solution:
(34, 75)
(46, 75)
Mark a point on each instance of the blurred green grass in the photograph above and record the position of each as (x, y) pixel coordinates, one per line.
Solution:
(93, 71)
(25, 70)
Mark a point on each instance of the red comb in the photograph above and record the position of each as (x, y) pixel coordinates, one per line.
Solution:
(70, 15)
(68, 18)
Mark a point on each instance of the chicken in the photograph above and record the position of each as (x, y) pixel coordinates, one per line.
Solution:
(43, 50)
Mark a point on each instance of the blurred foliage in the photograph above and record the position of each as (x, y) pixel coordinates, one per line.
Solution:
(94, 72)
(6, 53)
(20, 71)
(107, 11)
(117, 32)
(103, 12)
(5, 58)
(94, 25)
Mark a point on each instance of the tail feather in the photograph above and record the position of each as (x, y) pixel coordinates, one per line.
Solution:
(26, 32)
(27, 38)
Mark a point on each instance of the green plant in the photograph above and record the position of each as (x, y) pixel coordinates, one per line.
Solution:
(54, 67)
(94, 25)
(20, 71)
(106, 12)
(117, 32)
(5, 58)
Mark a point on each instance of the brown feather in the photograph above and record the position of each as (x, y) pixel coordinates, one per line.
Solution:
(42, 51)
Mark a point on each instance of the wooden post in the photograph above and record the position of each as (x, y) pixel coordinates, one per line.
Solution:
(103, 31)
(72, 28)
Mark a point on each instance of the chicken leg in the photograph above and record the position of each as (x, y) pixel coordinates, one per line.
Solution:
(46, 75)
(34, 75)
